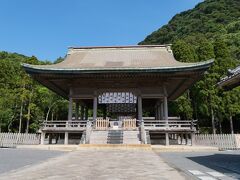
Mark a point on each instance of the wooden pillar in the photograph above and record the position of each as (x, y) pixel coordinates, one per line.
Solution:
(181, 138)
(82, 112)
(42, 138)
(165, 105)
(161, 111)
(166, 110)
(86, 113)
(77, 111)
(167, 139)
(140, 108)
(66, 138)
(94, 108)
(158, 112)
(50, 139)
(70, 108)
(186, 135)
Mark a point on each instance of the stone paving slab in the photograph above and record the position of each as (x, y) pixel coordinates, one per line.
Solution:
(100, 164)
(183, 148)
(11, 159)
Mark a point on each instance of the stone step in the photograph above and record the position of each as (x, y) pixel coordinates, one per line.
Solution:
(98, 137)
(131, 137)
(115, 137)
(117, 146)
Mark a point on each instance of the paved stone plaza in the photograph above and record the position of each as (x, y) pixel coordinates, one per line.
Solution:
(11, 159)
(99, 164)
(221, 165)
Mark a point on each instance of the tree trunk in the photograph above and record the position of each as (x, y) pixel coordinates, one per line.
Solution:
(28, 117)
(213, 121)
(220, 127)
(0, 125)
(231, 124)
(20, 118)
(12, 118)
(49, 109)
(29, 111)
(52, 115)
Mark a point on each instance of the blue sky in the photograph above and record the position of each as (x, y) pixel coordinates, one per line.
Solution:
(46, 28)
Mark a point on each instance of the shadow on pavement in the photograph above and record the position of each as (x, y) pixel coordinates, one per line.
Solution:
(225, 163)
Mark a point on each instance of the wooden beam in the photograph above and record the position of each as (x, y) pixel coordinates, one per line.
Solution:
(94, 108)
(139, 108)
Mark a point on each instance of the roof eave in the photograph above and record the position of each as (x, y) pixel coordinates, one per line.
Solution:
(31, 69)
(230, 82)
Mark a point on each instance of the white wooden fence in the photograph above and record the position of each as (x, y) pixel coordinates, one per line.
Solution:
(102, 124)
(13, 139)
(129, 123)
(222, 141)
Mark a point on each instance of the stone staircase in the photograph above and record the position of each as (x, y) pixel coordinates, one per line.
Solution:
(131, 137)
(115, 137)
(98, 137)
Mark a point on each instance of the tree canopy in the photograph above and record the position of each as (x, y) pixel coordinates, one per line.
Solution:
(210, 30)
(24, 103)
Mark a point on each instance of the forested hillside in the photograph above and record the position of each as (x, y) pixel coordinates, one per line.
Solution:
(210, 30)
(24, 104)
(211, 19)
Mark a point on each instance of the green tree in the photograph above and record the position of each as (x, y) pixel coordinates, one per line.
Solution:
(183, 52)
(232, 105)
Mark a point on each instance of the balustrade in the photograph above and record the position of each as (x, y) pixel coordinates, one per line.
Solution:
(171, 124)
(64, 124)
(129, 124)
(102, 124)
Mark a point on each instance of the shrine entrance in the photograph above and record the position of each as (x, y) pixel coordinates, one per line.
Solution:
(119, 110)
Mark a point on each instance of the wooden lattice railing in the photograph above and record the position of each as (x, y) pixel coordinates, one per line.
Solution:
(129, 123)
(102, 124)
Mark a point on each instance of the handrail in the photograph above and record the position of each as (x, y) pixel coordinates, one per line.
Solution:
(172, 124)
(104, 124)
(170, 120)
(64, 124)
(64, 121)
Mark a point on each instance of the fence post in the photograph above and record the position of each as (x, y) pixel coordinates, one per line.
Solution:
(42, 137)
(192, 138)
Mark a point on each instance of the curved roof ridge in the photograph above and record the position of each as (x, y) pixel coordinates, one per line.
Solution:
(118, 46)
(132, 58)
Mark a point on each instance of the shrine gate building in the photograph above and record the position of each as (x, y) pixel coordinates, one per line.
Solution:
(119, 95)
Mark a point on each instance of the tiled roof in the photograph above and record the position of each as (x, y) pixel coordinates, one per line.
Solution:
(117, 58)
(232, 78)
